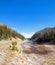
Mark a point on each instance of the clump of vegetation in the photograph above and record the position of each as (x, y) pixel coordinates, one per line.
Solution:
(14, 46)
(6, 32)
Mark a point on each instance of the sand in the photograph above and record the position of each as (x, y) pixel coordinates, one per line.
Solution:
(30, 54)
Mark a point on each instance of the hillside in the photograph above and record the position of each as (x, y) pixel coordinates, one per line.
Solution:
(45, 35)
(6, 32)
(17, 52)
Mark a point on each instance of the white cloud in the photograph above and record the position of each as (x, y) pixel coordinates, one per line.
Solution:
(27, 35)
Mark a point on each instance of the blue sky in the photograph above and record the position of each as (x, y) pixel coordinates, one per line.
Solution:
(27, 16)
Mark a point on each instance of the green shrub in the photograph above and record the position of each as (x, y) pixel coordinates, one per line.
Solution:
(14, 43)
(14, 46)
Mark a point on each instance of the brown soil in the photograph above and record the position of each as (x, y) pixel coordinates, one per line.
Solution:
(43, 51)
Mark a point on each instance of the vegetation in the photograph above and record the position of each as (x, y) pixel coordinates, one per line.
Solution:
(45, 35)
(6, 32)
(14, 46)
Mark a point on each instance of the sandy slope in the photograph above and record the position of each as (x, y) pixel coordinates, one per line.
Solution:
(30, 54)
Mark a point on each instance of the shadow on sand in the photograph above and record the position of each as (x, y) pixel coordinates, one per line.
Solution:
(37, 49)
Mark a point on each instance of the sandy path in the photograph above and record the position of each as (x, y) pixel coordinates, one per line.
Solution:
(30, 55)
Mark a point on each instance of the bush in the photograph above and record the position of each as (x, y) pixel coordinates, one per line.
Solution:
(14, 46)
